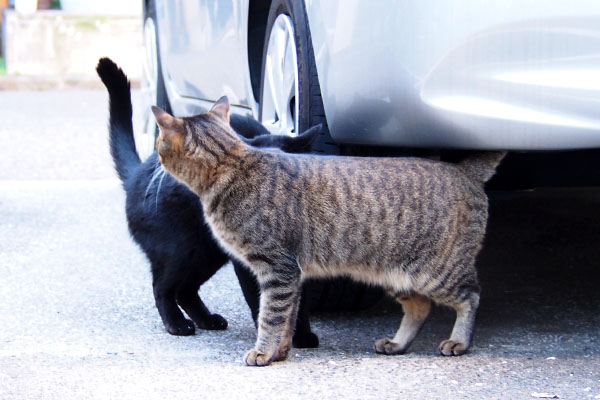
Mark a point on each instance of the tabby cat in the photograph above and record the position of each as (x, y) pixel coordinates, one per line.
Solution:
(167, 221)
(413, 226)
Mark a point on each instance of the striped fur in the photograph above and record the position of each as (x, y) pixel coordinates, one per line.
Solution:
(413, 226)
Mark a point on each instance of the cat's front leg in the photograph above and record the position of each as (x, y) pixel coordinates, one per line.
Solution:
(286, 341)
(303, 337)
(280, 295)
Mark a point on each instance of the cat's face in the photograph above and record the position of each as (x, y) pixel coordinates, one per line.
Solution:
(192, 148)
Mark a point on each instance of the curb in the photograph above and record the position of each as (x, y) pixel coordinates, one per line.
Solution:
(22, 82)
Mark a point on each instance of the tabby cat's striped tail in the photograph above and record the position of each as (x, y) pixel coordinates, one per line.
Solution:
(482, 166)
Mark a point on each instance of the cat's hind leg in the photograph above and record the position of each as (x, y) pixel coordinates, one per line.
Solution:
(416, 309)
(458, 289)
(462, 333)
(250, 288)
(194, 307)
(303, 335)
(189, 299)
(164, 296)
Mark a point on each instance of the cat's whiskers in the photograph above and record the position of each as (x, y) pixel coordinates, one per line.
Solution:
(159, 185)
(158, 170)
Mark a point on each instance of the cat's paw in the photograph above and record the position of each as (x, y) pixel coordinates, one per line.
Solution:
(452, 348)
(214, 322)
(387, 346)
(257, 358)
(181, 328)
(305, 340)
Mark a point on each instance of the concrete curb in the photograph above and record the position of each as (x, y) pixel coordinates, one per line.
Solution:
(22, 82)
(60, 50)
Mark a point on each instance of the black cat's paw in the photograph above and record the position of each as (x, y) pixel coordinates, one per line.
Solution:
(305, 340)
(181, 328)
(214, 322)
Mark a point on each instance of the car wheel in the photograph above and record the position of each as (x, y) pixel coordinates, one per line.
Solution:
(290, 102)
(290, 95)
(152, 84)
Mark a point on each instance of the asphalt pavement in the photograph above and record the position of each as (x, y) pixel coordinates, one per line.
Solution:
(77, 315)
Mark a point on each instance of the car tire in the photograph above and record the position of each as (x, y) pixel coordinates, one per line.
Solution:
(308, 102)
(153, 88)
(331, 295)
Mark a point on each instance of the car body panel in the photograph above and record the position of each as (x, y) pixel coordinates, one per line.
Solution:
(203, 49)
(511, 74)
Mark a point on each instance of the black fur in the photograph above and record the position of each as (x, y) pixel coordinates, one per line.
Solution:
(167, 221)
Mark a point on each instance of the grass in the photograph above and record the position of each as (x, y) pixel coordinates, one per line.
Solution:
(90, 23)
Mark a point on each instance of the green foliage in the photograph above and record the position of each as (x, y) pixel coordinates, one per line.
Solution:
(90, 23)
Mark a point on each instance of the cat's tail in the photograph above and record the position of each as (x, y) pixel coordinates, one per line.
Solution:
(120, 126)
(246, 126)
(481, 166)
(288, 144)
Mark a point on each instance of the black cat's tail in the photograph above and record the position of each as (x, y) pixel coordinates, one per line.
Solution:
(122, 144)
(481, 166)
(246, 126)
(288, 144)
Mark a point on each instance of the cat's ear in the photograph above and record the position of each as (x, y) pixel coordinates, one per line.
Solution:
(171, 128)
(164, 119)
(221, 108)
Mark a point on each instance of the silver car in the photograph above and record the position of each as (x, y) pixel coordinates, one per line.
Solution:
(437, 74)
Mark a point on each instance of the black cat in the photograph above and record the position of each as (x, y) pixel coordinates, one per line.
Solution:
(167, 221)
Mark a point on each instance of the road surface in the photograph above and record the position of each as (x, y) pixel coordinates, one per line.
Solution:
(78, 318)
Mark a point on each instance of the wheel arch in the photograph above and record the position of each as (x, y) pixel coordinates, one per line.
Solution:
(144, 7)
